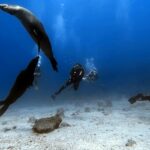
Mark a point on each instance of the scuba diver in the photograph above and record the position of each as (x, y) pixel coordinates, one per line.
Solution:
(76, 75)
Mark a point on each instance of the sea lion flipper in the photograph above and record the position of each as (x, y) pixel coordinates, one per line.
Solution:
(3, 109)
(132, 100)
(2, 103)
(138, 97)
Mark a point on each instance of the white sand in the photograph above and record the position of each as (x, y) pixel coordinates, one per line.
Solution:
(102, 128)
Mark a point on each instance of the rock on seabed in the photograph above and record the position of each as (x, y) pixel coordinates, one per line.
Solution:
(46, 125)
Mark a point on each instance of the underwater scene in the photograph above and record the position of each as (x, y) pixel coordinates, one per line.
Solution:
(75, 75)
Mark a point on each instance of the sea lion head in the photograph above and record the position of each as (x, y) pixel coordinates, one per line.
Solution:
(11, 9)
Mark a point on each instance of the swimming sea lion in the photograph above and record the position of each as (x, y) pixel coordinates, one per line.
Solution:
(34, 28)
(139, 97)
(23, 81)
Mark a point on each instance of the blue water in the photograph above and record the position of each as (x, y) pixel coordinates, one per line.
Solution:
(115, 34)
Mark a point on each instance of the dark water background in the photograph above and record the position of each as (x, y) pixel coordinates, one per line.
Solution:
(116, 34)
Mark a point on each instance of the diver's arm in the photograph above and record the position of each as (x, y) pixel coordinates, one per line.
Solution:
(84, 78)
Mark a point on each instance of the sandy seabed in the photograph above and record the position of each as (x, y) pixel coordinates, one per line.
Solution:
(99, 125)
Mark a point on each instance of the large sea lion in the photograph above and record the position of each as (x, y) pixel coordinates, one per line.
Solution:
(34, 28)
(23, 81)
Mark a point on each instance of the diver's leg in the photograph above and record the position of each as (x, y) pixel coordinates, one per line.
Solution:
(61, 89)
(76, 86)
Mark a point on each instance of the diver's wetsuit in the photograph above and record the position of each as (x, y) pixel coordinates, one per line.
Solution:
(76, 75)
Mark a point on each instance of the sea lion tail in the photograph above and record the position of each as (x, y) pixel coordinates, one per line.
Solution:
(54, 63)
(3, 107)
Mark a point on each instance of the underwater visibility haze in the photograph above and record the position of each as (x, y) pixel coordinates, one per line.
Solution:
(89, 87)
(111, 36)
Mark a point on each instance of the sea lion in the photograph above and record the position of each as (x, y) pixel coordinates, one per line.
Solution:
(139, 97)
(23, 81)
(34, 28)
